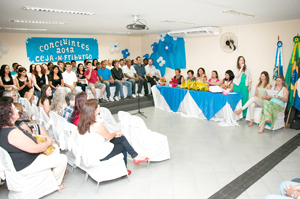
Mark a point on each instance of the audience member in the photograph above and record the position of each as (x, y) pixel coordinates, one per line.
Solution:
(122, 63)
(39, 78)
(109, 64)
(178, 76)
(24, 85)
(55, 78)
(10, 95)
(214, 77)
(131, 75)
(152, 73)
(242, 81)
(98, 66)
(31, 69)
(140, 70)
(6, 79)
(14, 65)
(287, 189)
(118, 76)
(44, 99)
(94, 82)
(58, 101)
(107, 79)
(61, 66)
(17, 69)
(94, 63)
(80, 99)
(190, 76)
(74, 68)
(259, 97)
(145, 62)
(70, 79)
(81, 81)
(24, 150)
(70, 100)
(106, 145)
(49, 66)
(272, 108)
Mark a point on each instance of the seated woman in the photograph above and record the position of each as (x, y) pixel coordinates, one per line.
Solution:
(31, 69)
(200, 74)
(55, 79)
(24, 85)
(80, 99)
(81, 77)
(39, 78)
(88, 126)
(44, 99)
(272, 108)
(229, 76)
(58, 101)
(23, 148)
(214, 77)
(178, 76)
(6, 79)
(190, 74)
(259, 97)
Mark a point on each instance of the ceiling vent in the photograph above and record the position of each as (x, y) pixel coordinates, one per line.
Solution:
(195, 32)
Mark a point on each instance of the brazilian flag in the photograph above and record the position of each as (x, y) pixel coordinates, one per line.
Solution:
(292, 72)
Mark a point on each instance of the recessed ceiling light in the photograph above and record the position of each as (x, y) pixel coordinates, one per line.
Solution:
(234, 12)
(170, 21)
(33, 29)
(56, 10)
(36, 22)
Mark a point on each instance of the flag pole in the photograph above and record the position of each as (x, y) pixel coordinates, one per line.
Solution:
(287, 126)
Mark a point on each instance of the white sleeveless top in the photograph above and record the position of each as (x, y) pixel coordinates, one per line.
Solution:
(97, 145)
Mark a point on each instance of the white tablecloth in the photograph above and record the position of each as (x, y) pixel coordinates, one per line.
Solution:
(189, 108)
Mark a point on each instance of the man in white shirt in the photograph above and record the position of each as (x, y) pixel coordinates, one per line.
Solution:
(109, 64)
(151, 72)
(70, 79)
(131, 76)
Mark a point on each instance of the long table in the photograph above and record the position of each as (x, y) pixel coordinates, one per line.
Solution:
(199, 104)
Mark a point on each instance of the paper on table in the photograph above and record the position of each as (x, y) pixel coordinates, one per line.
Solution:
(272, 93)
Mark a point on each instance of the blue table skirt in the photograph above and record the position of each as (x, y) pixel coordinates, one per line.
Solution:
(208, 102)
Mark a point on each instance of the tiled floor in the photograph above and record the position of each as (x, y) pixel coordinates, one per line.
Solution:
(204, 158)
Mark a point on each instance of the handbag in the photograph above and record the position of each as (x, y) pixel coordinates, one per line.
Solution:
(41, 139)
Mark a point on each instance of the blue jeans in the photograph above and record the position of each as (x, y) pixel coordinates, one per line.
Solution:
(129, 89)
(283, 185)
(118, 86)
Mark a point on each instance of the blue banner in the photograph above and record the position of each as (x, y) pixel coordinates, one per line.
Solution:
(49, 49)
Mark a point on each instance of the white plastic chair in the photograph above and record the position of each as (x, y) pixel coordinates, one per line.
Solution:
(108, 120)
(30, 186)
(27, 106)
(146, 142)
(35, 113)
(124, 119)
(62, 129)
(47, 123)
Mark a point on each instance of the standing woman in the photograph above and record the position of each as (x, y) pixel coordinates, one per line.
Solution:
(24, 85)
(81, 77)
(242, 81)
(39, 78)
(55, 78)
(6, 79)
(200, 74)
(178, 76)
(44, 99)
(259, 97)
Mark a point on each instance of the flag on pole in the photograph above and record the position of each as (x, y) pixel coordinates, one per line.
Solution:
(297, 97)
(292, 72)
(278, 61)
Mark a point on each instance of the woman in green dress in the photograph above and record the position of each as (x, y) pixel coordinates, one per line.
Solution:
(272, 108)
(242, 81)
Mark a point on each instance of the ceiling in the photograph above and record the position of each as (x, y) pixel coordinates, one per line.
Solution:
(112, 16)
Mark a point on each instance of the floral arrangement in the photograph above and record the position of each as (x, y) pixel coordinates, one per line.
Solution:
(225, 86)
(194, 85)
(162, 81)
(173, 82)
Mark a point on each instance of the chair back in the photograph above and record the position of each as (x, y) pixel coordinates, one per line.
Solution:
(6, 163)
(75, 143)
(35, 113)
(124, 119)
(63, 132)
(107, 116)
(27, 106)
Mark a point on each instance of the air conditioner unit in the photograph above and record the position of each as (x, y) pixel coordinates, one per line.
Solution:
(195, 32)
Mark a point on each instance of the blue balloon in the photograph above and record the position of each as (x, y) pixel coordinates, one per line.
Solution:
(169, 47)
(154, 46)
(125, 53)
(146, 56)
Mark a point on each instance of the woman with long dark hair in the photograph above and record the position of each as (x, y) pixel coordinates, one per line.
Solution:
(229, 76)
(6, 79)
(44, 99)
(200, 74)
(259, 97)
(80, 99)
(39, 78)
(55, 78)
(242, 81)
(98, 134)
(81, 77)
(24, 85)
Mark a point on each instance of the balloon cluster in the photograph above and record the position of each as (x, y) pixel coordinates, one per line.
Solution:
(169, 47)
(3, 49)
(161, 61)
(146, 56)
(161, 37)
(154, 47)
(125, 53)
(114, 46)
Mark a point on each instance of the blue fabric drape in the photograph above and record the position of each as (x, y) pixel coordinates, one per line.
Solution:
(173, 96)
(174, 55)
